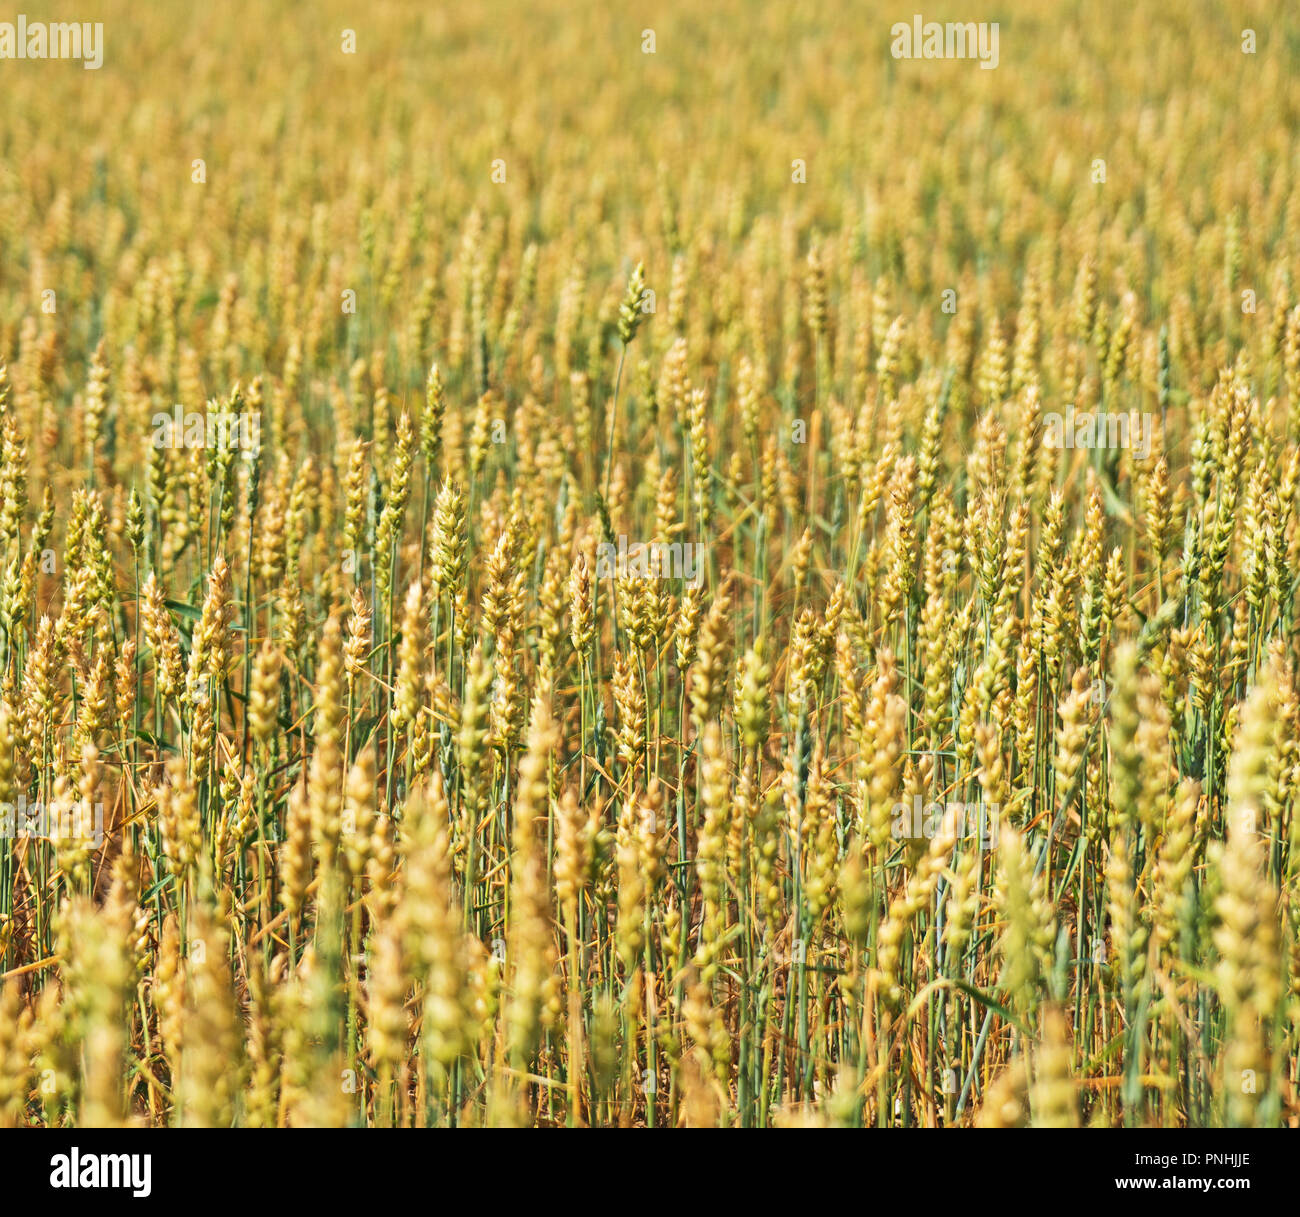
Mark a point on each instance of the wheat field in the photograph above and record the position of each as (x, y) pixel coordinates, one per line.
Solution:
(571, 566)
